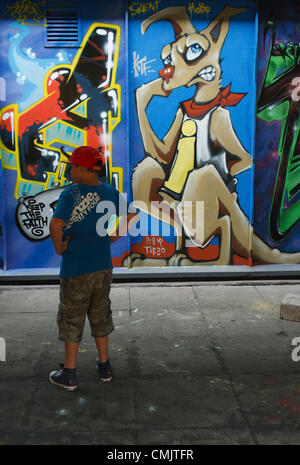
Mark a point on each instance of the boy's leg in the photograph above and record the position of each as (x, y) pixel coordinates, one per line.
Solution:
(71, 351)
(74, 299)
(99, 312)
(102, 347)
(65, 377)
(104, 367)
(100, 318)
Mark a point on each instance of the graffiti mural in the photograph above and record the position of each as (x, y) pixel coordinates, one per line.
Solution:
(26, 11)
(57, 98)
(278, 111)
(81, 107)
(197, 161)
(279, 101)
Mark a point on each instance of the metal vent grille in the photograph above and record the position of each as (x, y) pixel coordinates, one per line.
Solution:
(63, 29)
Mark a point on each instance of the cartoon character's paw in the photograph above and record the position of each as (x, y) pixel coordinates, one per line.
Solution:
(137, 259)
(179, 259)
(127, 262)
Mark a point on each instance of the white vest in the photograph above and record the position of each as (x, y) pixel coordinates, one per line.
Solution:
(195, 150)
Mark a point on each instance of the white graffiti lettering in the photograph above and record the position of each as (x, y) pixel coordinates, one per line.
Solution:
(138, 8)
(141, 65)
(200, 9)
(32, 217)
(87, 203)
(33, 213)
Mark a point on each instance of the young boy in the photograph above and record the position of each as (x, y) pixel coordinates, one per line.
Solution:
(86, 268)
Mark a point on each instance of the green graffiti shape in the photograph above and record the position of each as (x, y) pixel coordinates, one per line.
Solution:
(279, 101)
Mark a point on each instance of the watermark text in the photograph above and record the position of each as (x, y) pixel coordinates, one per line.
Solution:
(2, 350)
(188, 215)
(296, 352)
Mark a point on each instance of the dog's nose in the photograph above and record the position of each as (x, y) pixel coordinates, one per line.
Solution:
(167, 72)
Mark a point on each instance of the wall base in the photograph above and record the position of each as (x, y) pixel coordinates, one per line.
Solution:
(159, 274)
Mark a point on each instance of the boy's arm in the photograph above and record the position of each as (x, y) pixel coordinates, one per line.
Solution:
(56, 234)
(126, 223)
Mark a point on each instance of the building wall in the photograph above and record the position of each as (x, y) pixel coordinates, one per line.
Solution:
(123, 85)
(57, 95)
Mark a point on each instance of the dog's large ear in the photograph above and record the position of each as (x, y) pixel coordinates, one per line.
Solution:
(178, 18)
(217, 30)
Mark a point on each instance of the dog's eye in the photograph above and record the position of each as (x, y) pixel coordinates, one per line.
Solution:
(167, 60)
(193, 52)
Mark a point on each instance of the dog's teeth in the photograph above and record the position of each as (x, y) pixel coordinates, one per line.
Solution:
(208, 77)
(208, 74)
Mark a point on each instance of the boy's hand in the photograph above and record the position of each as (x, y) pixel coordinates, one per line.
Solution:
(56, 233)
(63, 247)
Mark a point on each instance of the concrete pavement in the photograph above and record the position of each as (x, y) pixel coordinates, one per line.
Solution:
(194, 363)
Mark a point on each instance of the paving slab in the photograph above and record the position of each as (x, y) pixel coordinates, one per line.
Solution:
(15, 398)
(274, 294)
(290, 307)
(26, 338)
(194, 364)
(119, 297)
(285, 436)
(92, 407)
(195, 436)
(175, 402)
(158, 299)
(91, 438)
(269, 400)
(29, 299)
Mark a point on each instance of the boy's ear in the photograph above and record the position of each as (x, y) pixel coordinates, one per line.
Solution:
(217, 30)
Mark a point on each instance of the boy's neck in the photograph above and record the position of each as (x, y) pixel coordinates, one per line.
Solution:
(90, 180)
(96, 183)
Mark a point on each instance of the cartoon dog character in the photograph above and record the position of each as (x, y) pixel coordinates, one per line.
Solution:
(201, 154)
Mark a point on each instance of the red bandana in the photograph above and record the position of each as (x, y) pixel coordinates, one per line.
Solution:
(224, 99)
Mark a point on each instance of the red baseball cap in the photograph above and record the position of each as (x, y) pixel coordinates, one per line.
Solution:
(87, 156)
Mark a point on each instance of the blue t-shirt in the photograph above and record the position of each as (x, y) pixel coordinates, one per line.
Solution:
(87, 211)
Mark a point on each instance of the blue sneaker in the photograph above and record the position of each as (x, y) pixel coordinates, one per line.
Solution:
(104, 371)
(65, 378)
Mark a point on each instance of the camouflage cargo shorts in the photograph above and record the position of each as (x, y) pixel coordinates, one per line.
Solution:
(85, 295)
